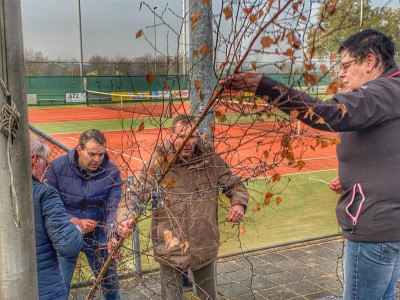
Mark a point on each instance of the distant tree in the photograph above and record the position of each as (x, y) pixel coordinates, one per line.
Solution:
(31, 55)
(34, 60)
(122, 66)
(100, 65)
(144, 65)
(342, 20)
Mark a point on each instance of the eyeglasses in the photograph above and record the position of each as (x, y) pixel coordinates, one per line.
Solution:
(345, 66)
(100, 156)
(48, 163)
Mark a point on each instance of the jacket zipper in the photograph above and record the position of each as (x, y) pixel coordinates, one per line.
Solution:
(355, 218)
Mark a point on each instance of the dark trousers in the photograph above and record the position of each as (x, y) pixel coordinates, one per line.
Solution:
(205, 281)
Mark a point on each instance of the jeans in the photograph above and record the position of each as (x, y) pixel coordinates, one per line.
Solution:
(205, 280)
(371, 270)
(95, 249)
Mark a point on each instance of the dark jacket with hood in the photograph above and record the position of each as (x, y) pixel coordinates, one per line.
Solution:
(368, 120)
(185, 231)
(92, 195)
(54, 233)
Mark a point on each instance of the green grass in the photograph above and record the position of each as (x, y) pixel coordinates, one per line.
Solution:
(307, 210)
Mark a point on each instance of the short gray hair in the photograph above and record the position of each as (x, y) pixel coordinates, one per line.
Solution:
(38, 146)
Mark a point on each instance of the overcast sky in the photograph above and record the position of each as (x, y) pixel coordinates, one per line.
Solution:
(108, 27)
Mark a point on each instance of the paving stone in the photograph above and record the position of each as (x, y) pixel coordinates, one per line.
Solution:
(278, 293)
(272, 258)
(259, 283)
(233, 289)
(328, 282)
(303, 287)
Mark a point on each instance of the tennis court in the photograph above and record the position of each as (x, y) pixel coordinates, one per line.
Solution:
(241, 144)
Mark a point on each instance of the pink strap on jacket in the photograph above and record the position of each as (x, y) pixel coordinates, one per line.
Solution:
(394, 74)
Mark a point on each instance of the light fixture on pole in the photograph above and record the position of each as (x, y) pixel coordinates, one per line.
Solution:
(80, 36)
(155, 40)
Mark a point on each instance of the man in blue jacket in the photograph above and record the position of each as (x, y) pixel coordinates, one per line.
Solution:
(90, 188)
(53, 230)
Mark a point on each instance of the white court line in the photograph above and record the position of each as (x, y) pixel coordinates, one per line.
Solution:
(299, 173)
(126, 155)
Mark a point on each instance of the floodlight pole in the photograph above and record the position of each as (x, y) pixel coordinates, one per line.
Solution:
(80, 36)
(201, 69)
(18, 272)
(184, 43)
(155, 40)
(361, 13)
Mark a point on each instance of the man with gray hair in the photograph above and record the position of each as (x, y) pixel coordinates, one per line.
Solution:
(53, 231)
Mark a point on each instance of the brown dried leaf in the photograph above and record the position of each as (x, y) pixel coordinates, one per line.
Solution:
(342, 108)
(254, 65)
(202, 95)
(195, 53)
(335, 141)
(166, 86)
(227, 12)
(239, 97)
(247, 10)
(169, 182)
(150, 171)
(289, 52)
(320, 121)
(310, 79)
(253, 18)
(267, 198)
(212, 126)
(276, 177)
(139, 33)
(256, 208)
(194, 18)
(266, 41)
(170, 158)
(206, 1)
(324, 144)
(301, 164)
(197, 84)
(324, 69)
(222, 118)
(266, 154)
(150, 78)
(205, 50)
(141, 126)
(160, 160)
(278, 200)
(332, 58)
(242, 230)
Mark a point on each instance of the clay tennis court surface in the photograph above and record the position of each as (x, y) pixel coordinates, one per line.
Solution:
(242, 145)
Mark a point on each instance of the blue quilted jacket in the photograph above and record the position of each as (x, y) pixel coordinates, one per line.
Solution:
(93, 195)
(54, 233)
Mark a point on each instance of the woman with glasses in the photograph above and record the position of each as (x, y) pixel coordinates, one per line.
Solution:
(367, 116)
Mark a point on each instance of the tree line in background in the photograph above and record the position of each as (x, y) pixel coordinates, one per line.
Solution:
(331, 29)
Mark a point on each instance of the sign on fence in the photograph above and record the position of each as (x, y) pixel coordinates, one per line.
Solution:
(75, 97)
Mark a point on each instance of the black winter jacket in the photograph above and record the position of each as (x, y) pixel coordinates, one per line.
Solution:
(369, 153)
